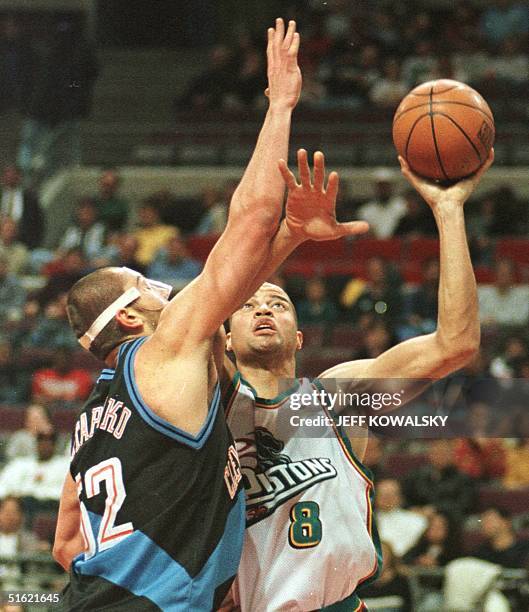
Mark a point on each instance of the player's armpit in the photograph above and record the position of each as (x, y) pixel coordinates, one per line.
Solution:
(68, 539)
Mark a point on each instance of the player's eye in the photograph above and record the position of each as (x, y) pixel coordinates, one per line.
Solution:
(246, 306)
(278, 306)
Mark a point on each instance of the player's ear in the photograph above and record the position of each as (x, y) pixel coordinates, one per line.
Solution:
(129, 320)
(299, 340)
(228, 342)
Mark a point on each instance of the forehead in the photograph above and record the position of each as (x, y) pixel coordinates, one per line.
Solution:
(269, 290)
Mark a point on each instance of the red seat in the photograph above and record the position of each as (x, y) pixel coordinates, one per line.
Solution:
(64, 420)
(322, 251)
(421, 249)
(484, 275)
(200, 246)
(365, 248)
(11, 418)
(516, 249)
(398, 465)
(345, 336)
(514, 501)
(313, 335)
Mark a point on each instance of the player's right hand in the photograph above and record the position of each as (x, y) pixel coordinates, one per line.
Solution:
(284, 75)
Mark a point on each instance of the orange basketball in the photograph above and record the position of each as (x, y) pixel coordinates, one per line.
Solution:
(444, 129)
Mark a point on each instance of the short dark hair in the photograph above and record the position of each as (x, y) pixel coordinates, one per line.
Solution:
(86, 301)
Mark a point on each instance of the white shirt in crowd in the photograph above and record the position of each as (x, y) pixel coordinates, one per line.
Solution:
(504, 308)
(400, 528)
(28, 477)
(383, 218)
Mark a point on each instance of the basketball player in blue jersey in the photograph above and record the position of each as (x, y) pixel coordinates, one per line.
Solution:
(310, 538)
(152, 513)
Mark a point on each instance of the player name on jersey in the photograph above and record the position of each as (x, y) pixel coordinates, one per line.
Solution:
(112, 418)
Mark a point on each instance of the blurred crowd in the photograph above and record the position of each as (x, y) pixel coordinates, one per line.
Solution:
(360, 54)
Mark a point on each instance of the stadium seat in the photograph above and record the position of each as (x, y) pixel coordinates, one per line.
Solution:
(323, 251)
(514, 501)
(364, 249)
(200, 246)
(421, 249)
(313, 335)
(11, 418)
(64, 420)
(516, 249)
(346, 336)
(398, 465)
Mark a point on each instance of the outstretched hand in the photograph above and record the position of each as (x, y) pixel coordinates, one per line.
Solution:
(284, 75)
(311, 206)
(435, 194)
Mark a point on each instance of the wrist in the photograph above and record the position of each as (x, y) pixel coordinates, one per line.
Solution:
(280, 109)
(293, 233)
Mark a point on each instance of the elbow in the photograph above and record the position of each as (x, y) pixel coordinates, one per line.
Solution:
(58, 554)
(458, 352)
(262, 215)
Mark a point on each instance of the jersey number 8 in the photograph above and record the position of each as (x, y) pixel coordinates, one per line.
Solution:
(305, 526)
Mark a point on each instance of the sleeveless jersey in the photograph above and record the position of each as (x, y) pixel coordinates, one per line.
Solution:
(162, 510)
(310, 536)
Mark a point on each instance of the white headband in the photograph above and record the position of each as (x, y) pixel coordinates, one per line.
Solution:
(107, 315)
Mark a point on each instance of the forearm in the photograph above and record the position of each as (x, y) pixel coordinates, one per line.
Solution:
(259, 196)
(458, 326)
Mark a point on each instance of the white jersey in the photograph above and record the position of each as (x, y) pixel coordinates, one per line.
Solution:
(310, 536)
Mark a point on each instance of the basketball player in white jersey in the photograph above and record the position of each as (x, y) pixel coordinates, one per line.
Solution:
(310, 538)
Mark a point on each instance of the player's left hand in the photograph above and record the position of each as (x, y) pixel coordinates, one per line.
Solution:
(284, 75)
(311, 206)
(436, 195)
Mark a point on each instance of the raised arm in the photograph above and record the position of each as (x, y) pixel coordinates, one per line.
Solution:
(457, 336)
(254, 215)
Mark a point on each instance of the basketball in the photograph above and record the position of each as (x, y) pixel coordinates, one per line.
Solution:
(444, 129)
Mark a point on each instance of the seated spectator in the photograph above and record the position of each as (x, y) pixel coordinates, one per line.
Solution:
(215, 206)
(510, 68)
(400, 528)
(41, 477)
(121, 251)
(316, 307)
(173, 264)
(504, 19)
(51, 329)
(377, 338)
(151, 232)
(379, 297)
(12, 293)
(502, 546)
(504, 303)
(85, 233)
(17, 254)
(421, 304)
(391, 591)
(112, 210)
(62, 274)
(62, 382)
(439, 483)
(384, 212)
(420, 64)
(439, 544)
(418, 220)
(481, 458)
(22, 206)
(13, 388)
(517, 465)
(248, 83)
(389, 90)
(513, 352)
(23, 443)
(15, 540)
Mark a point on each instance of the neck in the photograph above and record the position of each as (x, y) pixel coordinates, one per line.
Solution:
(266, 378)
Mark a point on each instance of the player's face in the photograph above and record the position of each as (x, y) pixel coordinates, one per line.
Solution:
(265, 324)
(154, 294)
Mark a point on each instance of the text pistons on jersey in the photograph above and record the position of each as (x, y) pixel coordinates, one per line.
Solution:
(112, 418)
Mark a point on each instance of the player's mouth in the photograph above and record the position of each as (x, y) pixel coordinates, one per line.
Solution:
(264, 327)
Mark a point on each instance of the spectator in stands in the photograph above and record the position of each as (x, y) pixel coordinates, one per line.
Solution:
(17, 66)
(151, 232)
(376, 338)
(215, 207)
(40, 477)
(439, 484)
(504, 303)
(513, 352)
(517, 465)
(112, 209)
(12, 293)
(21, 205)
(439, 544)
(208, 89)
(510, 68)
(23, 443)
(504, 19)
(62, 382)
(62, 273)
(378, 298)
(420, 64)
(482, 459)
(391, 590)
(85, 233)
(316, 308)
(418, 220)
(173, 264)
(62, 96)
(51, 329)
(12, 382)
(421, 304)
(399, 527)
(16, 252)
(388, 91)
(502, 546)
(384, 212)
(121, 251)
(248, 83)
(15, 540)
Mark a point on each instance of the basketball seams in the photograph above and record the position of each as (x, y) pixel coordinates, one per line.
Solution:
(397, 117)
(476, 150)
(437, 154)
(428, 93)
(410, 134)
